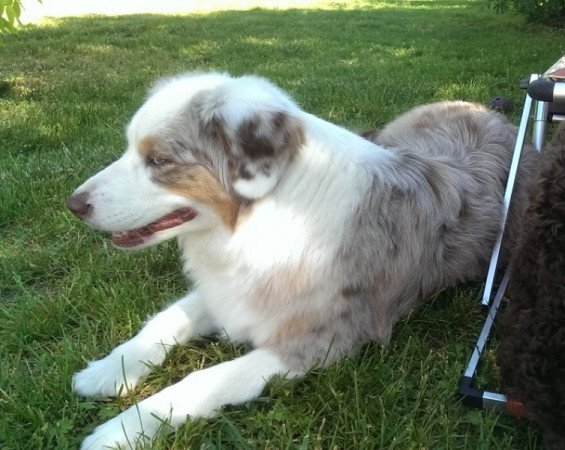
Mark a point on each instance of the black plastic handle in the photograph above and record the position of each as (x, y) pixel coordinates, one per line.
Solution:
(546, 90)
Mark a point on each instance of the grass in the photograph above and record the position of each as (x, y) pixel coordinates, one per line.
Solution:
(68, 86)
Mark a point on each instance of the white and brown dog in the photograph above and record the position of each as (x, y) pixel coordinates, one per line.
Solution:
(304, 239)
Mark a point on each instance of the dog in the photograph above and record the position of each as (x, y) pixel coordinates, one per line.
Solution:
(304, 239)
(532, 343)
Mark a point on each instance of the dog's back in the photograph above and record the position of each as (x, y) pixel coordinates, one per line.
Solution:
(465, 151)
(478, 141)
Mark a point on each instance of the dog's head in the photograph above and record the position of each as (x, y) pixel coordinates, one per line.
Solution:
(199, 148)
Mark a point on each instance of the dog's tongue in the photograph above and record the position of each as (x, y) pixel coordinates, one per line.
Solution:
(133, 238)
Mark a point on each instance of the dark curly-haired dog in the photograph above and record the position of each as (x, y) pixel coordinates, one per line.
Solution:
(532, 349)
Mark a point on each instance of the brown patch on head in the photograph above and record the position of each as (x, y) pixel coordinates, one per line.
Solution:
(153, 150)
(197, 182)
(147, 146)
(177, 171)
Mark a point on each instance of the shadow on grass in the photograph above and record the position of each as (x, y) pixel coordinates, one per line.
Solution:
(357, 67)
(417, 51)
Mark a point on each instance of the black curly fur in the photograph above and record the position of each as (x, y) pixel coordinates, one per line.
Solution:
(531, 354)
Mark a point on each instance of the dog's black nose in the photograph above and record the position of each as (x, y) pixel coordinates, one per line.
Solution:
(78, 204)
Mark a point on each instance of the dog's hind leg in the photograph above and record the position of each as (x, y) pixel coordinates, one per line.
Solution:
(200, 394)
(122, 369)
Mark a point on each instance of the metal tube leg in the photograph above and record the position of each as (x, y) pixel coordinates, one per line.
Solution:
(507, 195)
(470, 395)
(540, 125)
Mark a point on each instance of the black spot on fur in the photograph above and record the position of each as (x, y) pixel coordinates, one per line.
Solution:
(350, 291)
(370, 135)
(244, 173)
(254, 145)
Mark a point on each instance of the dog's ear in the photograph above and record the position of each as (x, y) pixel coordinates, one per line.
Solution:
(262, 148)
(258, 128)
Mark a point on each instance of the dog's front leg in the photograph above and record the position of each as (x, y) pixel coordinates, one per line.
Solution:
(200, 394)
(122, 369)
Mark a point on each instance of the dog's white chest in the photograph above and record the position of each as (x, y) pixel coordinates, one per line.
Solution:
(265, 268)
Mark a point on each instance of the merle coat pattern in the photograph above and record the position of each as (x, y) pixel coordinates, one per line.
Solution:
(304, 240)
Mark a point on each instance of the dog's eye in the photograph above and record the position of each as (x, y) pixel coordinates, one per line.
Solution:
(156, 161)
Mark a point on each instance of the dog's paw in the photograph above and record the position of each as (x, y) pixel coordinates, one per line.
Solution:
(102, 379)
(113, 376)
(111, 435)
(132, 429)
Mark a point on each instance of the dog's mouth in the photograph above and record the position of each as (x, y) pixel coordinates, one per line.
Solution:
(139, 236)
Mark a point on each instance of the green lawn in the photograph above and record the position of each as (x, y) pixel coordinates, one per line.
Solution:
(67, 88)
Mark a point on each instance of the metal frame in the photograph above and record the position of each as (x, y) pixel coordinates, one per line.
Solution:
(508, 194)
(544, 112)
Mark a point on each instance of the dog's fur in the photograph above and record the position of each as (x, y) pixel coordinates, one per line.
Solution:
(532, 349)
(304, 239)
